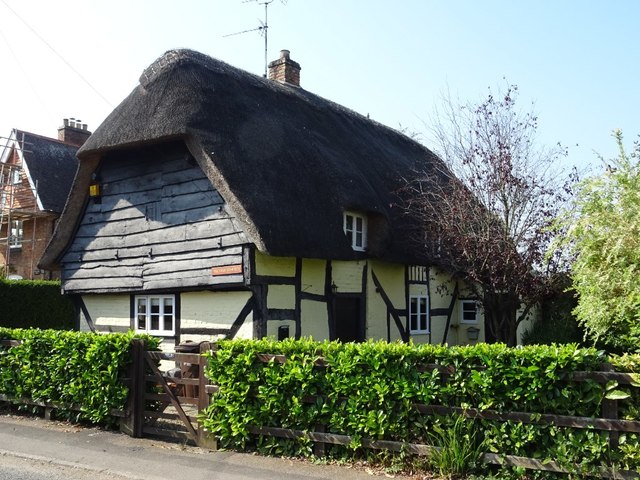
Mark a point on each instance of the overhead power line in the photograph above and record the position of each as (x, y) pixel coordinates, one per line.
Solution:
(64, 60)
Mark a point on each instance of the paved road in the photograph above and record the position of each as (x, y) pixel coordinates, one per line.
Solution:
(35, 449)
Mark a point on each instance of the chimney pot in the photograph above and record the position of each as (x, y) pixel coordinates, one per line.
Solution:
(73, 132)
(285, 70)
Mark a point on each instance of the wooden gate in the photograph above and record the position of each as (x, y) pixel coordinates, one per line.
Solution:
(168, 406)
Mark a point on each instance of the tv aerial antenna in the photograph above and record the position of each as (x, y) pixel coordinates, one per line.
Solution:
(263, 28)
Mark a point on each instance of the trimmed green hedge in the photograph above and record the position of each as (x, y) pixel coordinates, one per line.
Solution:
(35, 304)
(368, 389)
(77, 368)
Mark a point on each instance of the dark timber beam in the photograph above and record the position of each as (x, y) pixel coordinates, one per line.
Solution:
(392, 310)
(454, 297)
(240, 319)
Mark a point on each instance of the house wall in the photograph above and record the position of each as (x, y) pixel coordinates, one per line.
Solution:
(23, 260)
(295, 297)
(202, 316)
(314, 283)
(159, 225)
(107, 313)
(20, 204)
(202, 311)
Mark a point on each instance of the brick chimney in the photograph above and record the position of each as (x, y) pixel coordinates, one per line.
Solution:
(74, 132)
(285, 70)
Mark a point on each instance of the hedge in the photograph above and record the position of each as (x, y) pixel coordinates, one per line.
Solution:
(368, 390)
(35, 304)
(76, 368)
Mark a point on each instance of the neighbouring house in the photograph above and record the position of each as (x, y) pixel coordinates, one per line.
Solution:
(36, 174)
(214, 203)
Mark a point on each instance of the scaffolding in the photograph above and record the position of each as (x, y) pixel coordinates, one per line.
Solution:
(18, 205)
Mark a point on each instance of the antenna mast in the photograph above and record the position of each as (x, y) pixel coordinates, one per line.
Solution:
(266, 33)
(263, 29)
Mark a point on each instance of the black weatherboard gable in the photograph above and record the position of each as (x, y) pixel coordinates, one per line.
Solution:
(287, 162)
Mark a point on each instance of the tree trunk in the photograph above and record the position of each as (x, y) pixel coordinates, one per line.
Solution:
(500, 317)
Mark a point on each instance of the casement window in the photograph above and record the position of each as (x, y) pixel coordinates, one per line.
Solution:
(17, 234)
(15, 176)
(468, 311)
(419, 314)
(355, 227)
(156, 314)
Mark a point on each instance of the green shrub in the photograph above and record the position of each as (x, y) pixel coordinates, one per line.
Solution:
(460, 448)
(368, 390)
(77, 368)
(35, 304)
(557, 323)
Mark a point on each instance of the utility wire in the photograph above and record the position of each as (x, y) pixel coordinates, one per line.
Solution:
(24, 72)
(57, 54)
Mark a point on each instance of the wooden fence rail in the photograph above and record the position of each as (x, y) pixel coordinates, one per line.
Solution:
(609, 423)
(48, 406)
(147, 384)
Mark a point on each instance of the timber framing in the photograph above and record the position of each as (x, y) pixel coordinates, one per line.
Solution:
(191, 204)
(392, 311)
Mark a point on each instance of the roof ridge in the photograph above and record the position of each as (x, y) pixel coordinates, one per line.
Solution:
(43, 137)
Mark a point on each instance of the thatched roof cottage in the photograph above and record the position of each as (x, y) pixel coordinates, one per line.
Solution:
(214, 202)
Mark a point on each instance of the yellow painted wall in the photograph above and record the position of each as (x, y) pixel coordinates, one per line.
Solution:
(441, 287)
(278, 266)
(313, 273)
(107, 311)
(347, 275)
(272, 327)
(391, 277)
(315, 320)
(281, 296)
(458, 333)
(213, 310)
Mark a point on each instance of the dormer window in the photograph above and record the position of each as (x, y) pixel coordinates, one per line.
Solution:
(355, 227)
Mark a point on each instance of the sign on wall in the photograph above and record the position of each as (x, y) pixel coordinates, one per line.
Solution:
(226, 270)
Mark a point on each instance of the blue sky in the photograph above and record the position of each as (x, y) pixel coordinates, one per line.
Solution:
(578, 61)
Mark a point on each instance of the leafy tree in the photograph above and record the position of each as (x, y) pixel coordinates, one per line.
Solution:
(488, 211)
(603, 233)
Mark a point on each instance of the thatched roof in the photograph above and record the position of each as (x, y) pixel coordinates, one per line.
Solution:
(52, 165)
(287, 161)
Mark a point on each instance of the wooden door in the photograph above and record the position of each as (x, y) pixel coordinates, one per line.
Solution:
(349, 318)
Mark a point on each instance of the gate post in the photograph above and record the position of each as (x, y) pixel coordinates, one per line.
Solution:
(205, 440)
(610, 411)
(132, 424)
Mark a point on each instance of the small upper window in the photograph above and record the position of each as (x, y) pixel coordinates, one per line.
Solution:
(419, 314)
(15, 176)
(469, 311)
(156, 314)
(17, 234)
(355, 227)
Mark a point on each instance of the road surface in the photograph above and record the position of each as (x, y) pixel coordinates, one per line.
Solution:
(36, 449)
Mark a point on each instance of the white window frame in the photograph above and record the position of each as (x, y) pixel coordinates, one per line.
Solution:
(146, 301)
(16, 178)
(421, 313)
(16, 235)
(353, 232)
(462, 305)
